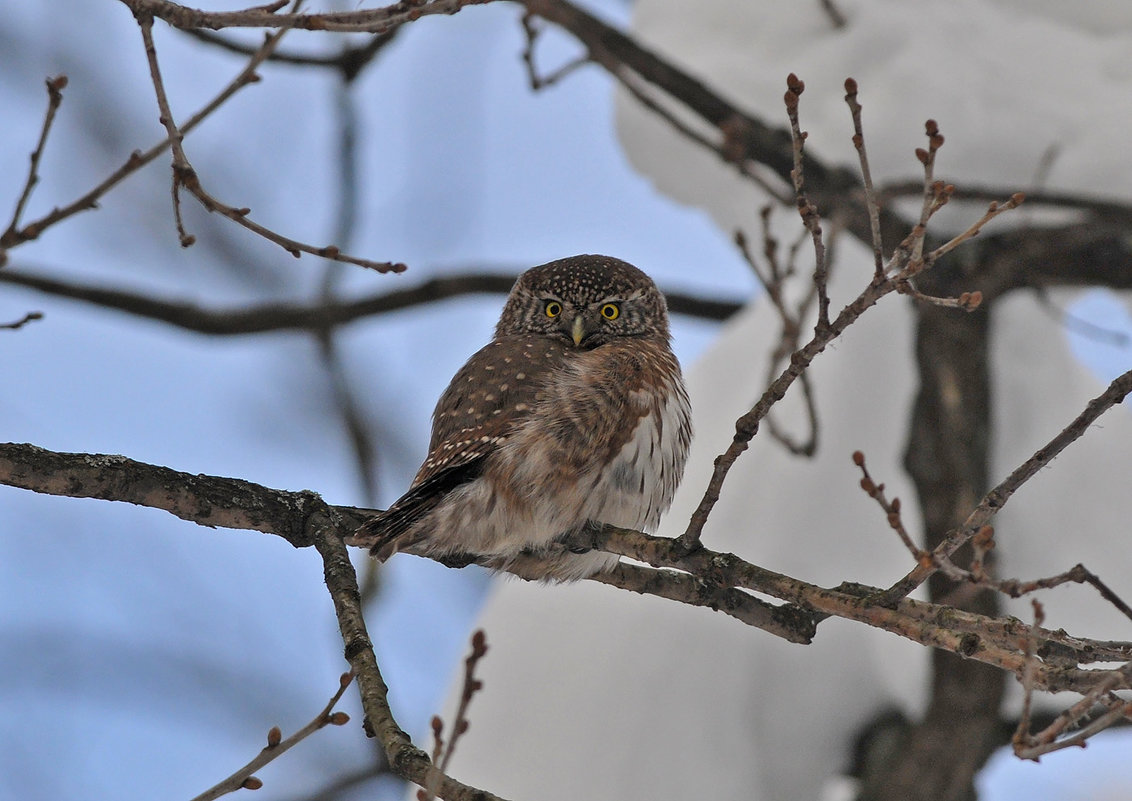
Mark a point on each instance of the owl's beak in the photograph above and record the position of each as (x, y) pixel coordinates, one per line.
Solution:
(578, 331)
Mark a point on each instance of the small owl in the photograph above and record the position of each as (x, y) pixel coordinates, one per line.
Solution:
(575, 414)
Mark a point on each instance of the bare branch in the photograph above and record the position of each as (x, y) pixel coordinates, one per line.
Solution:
(303, 518)
(994, 500)
(20, 323)
(210, 501)
(317, 317)
(773, 283)
(55, 87)
(891, 508)
(244, 778)
(350, 61)
(185, 175)
(811, 219)
(789, 622)
(376, 20)
(137, 159)
(871, 201)
(442, 753)
(531, 31)
(973, 230)
(405, 759)
(181, 167)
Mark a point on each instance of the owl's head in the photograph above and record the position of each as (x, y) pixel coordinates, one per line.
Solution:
(586, 301)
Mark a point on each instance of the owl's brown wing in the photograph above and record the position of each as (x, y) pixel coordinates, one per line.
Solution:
(383, 532)
(486, 399)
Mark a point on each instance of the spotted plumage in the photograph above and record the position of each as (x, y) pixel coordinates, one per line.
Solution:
(575, 413)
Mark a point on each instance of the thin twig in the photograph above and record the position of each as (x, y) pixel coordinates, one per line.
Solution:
(993, 210)
(531, 31)
(890, 508)
(182, 170)
(871, 201)
(138, 159)
(932, 196)
(350, 61)
(443, 751)
(1016, 588)
(185, 176)
(1027, 677)
(994, 500)
(245, 778)
(810, 216)
(20, 323)
(55, 87)
(773, 283)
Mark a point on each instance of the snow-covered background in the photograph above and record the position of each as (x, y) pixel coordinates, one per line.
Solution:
(140, 654)
(743, 717)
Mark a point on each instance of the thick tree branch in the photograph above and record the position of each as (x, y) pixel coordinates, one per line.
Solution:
(210, 501)
(304, 519)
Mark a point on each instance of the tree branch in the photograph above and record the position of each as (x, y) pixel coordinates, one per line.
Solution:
(284, 316)
(303, 519)
(244, 778)
(376, 20)
(55, 87)
(405, 759)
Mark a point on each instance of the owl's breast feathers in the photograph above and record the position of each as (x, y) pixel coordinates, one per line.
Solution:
(607, 438)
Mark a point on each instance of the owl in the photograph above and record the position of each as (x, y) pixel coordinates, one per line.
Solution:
(574, 415)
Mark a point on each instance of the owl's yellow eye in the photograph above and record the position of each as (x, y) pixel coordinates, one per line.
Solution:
(610, 311)
(553, 308)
